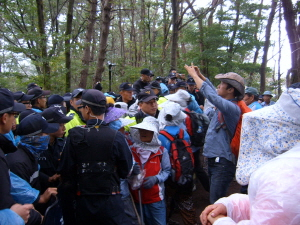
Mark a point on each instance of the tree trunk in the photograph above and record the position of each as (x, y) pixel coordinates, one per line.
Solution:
(133, 51)
(43, 43)
(86, 59)
(142, 53)
(263, 66)
(67, 45)
(257, 25)
(234, 32)
(175, 32)
(294, 40)
(166, 30)
(201, 35)
(106, 8)
(121, 30)
(279, 51)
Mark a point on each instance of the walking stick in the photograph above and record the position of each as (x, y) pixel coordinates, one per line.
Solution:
(141, 208)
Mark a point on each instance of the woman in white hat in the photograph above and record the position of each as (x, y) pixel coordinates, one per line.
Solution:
(154, 159)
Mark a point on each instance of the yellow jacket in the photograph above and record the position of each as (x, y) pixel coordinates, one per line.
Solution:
(76, 121)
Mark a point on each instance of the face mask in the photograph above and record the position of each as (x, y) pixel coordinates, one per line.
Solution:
(35, 144)
(115, 125)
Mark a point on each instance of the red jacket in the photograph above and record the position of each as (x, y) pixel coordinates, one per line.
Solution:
(152, 167)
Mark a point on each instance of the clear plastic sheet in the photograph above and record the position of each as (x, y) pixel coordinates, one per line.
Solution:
(274, 194)
(136, 181)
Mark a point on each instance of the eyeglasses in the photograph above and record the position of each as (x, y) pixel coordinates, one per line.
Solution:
(26, 103)
(43, 97)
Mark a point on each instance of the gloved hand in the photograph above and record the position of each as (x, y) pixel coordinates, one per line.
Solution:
(149, 182)
(136, 169)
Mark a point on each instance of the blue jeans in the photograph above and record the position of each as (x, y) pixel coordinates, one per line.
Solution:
(221, 172)
(154, 213)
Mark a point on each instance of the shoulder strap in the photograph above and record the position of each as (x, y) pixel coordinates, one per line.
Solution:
(167, 135)
(180, 134)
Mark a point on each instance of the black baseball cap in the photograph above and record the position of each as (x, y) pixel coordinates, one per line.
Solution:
(20, 96)
(35, 124)
(26, 113)
(64, 109)
(55, 115)
(171, 87)
(55, 99)
(146, 95)
(154, 85)
(98, 86)
(180, 84)
(147, 72)
(190, 81)
(158, 78)
(172, 76)
(92, 97)
(32, 85)
(7, 103)
(38, 92)
(126, 86)
(67, 97)
(77, 92)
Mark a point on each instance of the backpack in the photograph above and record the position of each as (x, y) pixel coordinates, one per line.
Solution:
(197, 125)
(235, 141)
(182, 159)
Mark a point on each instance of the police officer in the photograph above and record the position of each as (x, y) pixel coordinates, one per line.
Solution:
(49, 159)
(74, 111)
(146, 77)
(126, 94)
(10, 211)
(39, 100)
(93, 161)
(192, 89)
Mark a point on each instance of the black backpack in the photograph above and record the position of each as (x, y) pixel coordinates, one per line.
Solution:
(197, 125)
(182, 159)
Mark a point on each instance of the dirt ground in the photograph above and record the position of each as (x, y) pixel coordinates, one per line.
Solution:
(201, 197)
(201, 200)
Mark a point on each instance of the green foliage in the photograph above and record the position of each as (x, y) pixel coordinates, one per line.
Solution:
(145, 43)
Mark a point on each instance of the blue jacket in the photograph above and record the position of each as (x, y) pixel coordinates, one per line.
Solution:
(173, 130)
(193, 105)
(164, 89)
(217, 142)
(10, 136)
(21, 190)
(263, 104)
(255, 106)
(8, 217)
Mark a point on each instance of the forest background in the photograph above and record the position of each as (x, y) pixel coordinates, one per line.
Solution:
(65, 44)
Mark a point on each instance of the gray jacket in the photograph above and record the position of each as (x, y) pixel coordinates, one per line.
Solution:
(217, 141)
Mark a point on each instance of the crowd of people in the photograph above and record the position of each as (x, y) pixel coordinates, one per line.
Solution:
(93, 157)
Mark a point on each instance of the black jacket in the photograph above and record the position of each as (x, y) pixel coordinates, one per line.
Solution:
(139, 85)
(140, 115)
(93, 160)
(198, 96)
(119, 99)
(24, 164)
(49, 159)
(6, 200)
